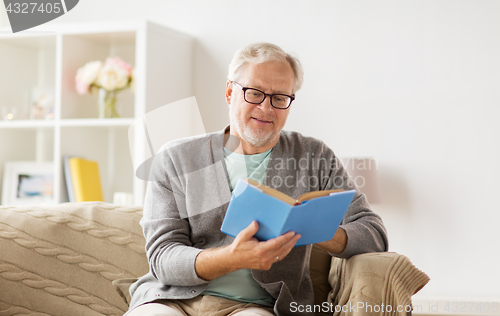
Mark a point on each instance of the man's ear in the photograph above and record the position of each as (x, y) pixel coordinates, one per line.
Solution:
(229, 91)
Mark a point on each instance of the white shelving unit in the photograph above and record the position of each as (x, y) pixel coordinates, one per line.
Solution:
(49, 58)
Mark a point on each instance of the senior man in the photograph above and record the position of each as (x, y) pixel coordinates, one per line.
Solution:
(194, 268)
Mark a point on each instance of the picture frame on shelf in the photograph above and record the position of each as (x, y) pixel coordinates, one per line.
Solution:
(28, 182)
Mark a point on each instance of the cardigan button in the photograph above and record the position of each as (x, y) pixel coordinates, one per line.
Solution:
(193, 291)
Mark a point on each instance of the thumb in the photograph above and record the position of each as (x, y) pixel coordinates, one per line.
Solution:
(249, 231)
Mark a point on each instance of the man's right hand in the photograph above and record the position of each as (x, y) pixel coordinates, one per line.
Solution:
(246, 252)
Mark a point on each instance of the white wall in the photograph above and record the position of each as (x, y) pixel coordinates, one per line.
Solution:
(415, 84)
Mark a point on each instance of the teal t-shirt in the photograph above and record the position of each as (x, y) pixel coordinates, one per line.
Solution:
(240, 285)
(246, 166)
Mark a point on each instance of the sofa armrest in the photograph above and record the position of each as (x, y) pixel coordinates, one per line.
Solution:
(369, 280)
(62, 259)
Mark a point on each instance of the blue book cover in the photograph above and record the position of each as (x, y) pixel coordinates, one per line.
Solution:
(316, 219)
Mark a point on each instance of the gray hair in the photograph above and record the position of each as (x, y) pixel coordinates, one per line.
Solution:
(263, 52)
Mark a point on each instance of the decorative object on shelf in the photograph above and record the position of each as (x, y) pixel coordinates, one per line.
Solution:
(9, 113)
(42, 104)
(106, 104)
(109, 78)
(28, 182)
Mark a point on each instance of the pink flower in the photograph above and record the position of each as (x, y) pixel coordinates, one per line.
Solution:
(81, 87)
(112, 75)
(119, 63)
(86, 76)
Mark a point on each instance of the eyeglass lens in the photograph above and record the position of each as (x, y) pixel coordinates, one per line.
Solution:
(277, 100)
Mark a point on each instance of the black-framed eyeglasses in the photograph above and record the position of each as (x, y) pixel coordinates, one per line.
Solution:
(255, 96)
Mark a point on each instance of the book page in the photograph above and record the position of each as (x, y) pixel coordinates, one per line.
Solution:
(272, 192)
(287, 199)
(315, 194)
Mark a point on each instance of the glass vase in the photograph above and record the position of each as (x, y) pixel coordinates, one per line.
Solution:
(107, 104)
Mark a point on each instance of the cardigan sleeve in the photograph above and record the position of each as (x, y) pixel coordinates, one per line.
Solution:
(169, 249)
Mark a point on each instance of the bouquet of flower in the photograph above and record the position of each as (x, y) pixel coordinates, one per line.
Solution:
(112, 75)
(109, 77)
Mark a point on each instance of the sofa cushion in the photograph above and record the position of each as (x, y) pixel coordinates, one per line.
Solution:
(61, 260)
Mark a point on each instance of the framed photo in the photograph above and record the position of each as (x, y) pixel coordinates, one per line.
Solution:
(27, 182)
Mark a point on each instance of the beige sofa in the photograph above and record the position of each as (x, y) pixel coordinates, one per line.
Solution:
(80, 258)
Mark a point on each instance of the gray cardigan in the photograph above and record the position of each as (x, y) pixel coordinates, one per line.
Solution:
(187, 198)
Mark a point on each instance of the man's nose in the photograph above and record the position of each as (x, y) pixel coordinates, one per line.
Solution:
(266, 106)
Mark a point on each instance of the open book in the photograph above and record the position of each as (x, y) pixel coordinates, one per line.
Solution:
(315, 215)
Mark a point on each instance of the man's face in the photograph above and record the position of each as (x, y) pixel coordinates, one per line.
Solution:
(258, 125)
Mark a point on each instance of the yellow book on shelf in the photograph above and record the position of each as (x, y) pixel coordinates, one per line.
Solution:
(85, 179)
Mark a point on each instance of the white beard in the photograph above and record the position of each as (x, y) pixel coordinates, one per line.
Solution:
(255, 137)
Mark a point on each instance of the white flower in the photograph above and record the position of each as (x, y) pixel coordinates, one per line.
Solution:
(114, 75)
(87, 75)
(132, 80)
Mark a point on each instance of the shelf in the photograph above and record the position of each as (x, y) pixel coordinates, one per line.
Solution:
(29, 40)
(126, 122)
(28, 124)
(45, 63)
